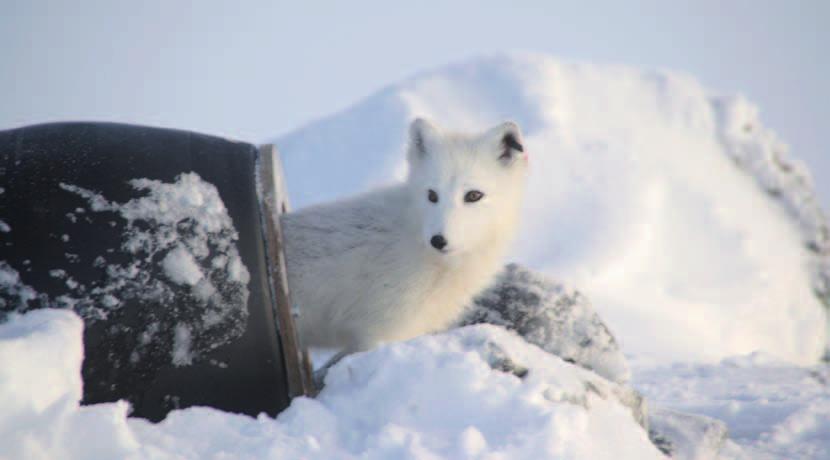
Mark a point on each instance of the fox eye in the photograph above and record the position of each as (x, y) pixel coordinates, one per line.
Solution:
(472, 196)
(432, 196)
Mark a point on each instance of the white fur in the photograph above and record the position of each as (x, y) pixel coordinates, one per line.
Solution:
(362, 270)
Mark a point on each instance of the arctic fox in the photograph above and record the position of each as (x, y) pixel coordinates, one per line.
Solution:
(404, 260)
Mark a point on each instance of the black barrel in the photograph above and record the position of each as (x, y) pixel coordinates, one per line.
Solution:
(156, 238)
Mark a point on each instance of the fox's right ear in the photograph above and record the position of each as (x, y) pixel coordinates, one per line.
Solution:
(422, 135)
(507, 139)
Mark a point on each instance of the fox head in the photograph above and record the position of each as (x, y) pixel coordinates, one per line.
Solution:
(467, 187)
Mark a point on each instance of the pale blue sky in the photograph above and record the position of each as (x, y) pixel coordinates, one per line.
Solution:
(255, 69)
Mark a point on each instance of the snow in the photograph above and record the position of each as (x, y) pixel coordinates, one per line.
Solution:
(771, 408)
(41, 352)
(181, 346)
(668, 224)
(13, 289)
(180, 266)
(109, 301)
(687, 436)
(181, 228)
(475, 406)
(171, 232)
(40, 386)
(641, 194)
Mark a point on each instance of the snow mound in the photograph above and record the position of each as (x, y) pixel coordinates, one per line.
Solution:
(558, 320)
(40, 386)
(480, 392)
(677, 213)
(41, 352)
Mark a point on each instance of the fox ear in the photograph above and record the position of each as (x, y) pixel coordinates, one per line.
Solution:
(510, 142)
(422, 134)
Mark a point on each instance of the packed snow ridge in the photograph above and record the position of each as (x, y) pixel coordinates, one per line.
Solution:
(685, 221)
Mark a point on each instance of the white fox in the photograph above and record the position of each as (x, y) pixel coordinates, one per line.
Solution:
(404, 260)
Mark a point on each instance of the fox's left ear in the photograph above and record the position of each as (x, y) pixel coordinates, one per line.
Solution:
(423, 136)
(507, 138)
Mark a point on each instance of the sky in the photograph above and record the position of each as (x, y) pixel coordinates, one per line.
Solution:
(252, 70)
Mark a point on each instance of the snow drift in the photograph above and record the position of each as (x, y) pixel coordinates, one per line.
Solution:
(679, 215)
(480, 392)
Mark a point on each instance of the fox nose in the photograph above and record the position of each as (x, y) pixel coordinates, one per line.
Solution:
(438, 242)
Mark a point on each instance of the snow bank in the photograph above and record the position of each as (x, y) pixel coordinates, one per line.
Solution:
(480, 392)
(40, 386)
(644, 193)
(41, 352)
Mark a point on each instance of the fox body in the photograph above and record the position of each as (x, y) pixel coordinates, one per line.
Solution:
(404, 260)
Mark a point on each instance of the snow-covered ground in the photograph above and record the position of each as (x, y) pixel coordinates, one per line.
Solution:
(478, 392)
(773, 410)
(697, 240)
